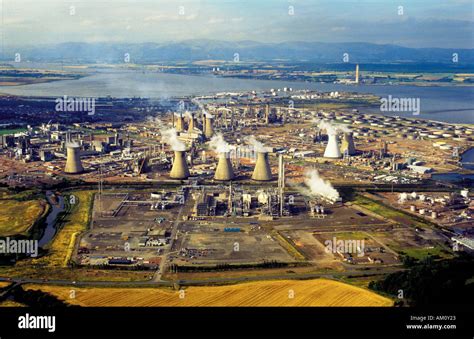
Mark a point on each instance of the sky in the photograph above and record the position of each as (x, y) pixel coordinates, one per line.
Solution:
(417, 23)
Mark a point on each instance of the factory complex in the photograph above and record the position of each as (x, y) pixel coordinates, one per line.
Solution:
(244, 181)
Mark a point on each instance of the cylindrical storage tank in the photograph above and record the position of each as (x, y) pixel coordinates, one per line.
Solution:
(413, 208)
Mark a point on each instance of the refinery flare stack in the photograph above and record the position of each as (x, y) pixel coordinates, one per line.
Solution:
(262, 171)
(180, 168)
(224, 171)
(73, 162)
(348, 146)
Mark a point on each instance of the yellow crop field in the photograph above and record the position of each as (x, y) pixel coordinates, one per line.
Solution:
(316, 292)
(16, 217)
(10, 303)
(62, 246)
(4, 284)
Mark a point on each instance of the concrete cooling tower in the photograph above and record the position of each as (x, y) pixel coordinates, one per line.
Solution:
(208, 129)
(179, 123)
(348, 144)
(332, 149)
(262, 171)
(180, 168)
(224, 169)
(192, 124)
(73, 162)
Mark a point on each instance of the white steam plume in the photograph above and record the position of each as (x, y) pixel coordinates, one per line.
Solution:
(218, 144)
(201, 107)
(318, 186)
(257, 145)
(170, 137)
(73, 143)
(331, 127)
(188, 114)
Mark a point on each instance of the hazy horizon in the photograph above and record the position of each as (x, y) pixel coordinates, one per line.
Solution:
(417, 24)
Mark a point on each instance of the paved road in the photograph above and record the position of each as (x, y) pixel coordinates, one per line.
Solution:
(164, 258)
(153, 283)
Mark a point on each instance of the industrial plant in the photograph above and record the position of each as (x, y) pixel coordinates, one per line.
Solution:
(242, 183)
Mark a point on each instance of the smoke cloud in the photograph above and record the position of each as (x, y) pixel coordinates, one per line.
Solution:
(318, 186)
(218, 144)
(201, 107)
(155, 121)
(331, 127)
(170, 137)
(257, 145)
(72, 144)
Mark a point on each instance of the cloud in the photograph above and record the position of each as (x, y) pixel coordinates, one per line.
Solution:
(213, 21)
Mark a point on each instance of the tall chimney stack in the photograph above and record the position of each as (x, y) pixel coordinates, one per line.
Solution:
(180, 168)
(224, 169)
(262, 171)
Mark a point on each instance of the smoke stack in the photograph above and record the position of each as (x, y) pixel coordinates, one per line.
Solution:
(348, 144)
(73, 162)
(224, 168)
(209, 129)
(180, 168)
(332, 149)
(262, 171)
(179, 124)
(357, 74)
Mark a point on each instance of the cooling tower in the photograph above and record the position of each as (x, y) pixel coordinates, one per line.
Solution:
(179, 123)
(262, 171)
(224, 169)
(180, 168)
(192, 124)
(209, 129)
(332, 149)
(348, 144)
(73, 162)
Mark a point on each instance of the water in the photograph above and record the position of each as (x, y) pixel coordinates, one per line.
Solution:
(449, 104)
(467, 161)
(50, 229)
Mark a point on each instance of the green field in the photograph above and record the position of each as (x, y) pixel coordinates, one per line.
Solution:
(16, 217)
(12, 131)
(388, 212)
(421, 253)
